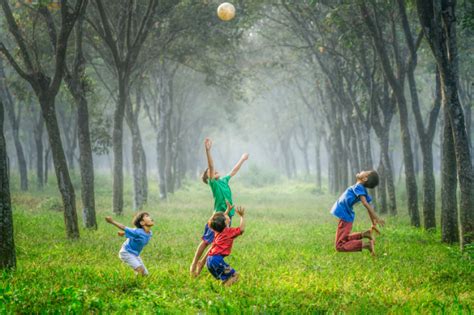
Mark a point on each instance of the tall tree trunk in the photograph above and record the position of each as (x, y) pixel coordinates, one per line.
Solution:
(389, 181)
(439, 26)
(19, 150)
(86, 164)
(76, 84)
(15, 125)
(7, 244)
(117, 142)
(46, 164)
(60, 166)
(169, 156)
(138, 165)
(396, 84)
(463, 158)
(162, 134)
(382, 188)
(39, 152)
(318, 163)
(410, 176)
(449, 205)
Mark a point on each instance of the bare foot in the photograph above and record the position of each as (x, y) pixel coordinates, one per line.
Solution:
(231, 280)
(369, 234)
(372, 247)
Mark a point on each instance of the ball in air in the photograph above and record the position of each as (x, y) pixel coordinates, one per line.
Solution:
(226, 11)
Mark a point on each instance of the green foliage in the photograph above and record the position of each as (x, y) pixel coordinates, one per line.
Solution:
(286, 260)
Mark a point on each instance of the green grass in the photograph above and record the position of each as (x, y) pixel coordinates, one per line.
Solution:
(286, 260)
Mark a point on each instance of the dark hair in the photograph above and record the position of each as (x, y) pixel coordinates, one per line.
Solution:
(138, 218)
(217, 222)
(205, 176)
(372, 179)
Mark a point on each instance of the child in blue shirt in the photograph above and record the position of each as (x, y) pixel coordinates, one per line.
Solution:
(342, 209)
(136, 240)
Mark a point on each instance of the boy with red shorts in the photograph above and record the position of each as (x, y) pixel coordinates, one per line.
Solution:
(342, 209)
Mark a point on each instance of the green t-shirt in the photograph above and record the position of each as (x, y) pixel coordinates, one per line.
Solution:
(221, 192)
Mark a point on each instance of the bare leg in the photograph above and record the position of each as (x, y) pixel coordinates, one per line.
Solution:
(201, 264)
(202, 246)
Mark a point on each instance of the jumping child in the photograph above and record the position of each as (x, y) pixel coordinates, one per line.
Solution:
(136, 240)
(342, 209)
(222, 245)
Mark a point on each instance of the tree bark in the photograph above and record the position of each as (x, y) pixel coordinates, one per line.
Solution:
(86, 165)
(138, 157)
(397, 87)
(318, 163)
(425, 136)
(75, 80)
(382, 188)
(15, 125)
(39, 127)
(162, 135)
(439, 26)
(7, 243)
(117, 143)
(449, 205)
(60, 166)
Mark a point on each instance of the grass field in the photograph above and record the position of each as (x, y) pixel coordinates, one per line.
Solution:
(286, 260)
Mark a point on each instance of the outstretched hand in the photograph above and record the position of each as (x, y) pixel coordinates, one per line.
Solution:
(374, 228)
(208, 143)
(109, 219)
(240, 211)
(245, 156)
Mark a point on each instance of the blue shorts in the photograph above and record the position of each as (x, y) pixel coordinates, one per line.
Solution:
(219, 268)
(208, 235)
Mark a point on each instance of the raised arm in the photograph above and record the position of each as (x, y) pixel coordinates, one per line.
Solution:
(117, 224)
(373, 217)
(241, 212)
(237, 166)
(210, 162)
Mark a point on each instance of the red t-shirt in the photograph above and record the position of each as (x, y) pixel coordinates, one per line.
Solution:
(223, 241)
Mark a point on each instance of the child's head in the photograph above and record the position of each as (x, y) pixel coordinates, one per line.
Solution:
(205, 176)
(369, 179)
(142, 219)
(218, 222)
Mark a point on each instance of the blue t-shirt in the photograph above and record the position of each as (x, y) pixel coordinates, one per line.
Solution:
(342, 208)
(136, 240)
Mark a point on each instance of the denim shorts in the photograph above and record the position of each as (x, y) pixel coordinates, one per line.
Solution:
(219, 268)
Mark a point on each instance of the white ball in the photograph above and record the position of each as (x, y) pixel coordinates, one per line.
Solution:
(226, 11)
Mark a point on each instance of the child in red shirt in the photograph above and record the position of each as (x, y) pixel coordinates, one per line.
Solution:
(222, 245)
